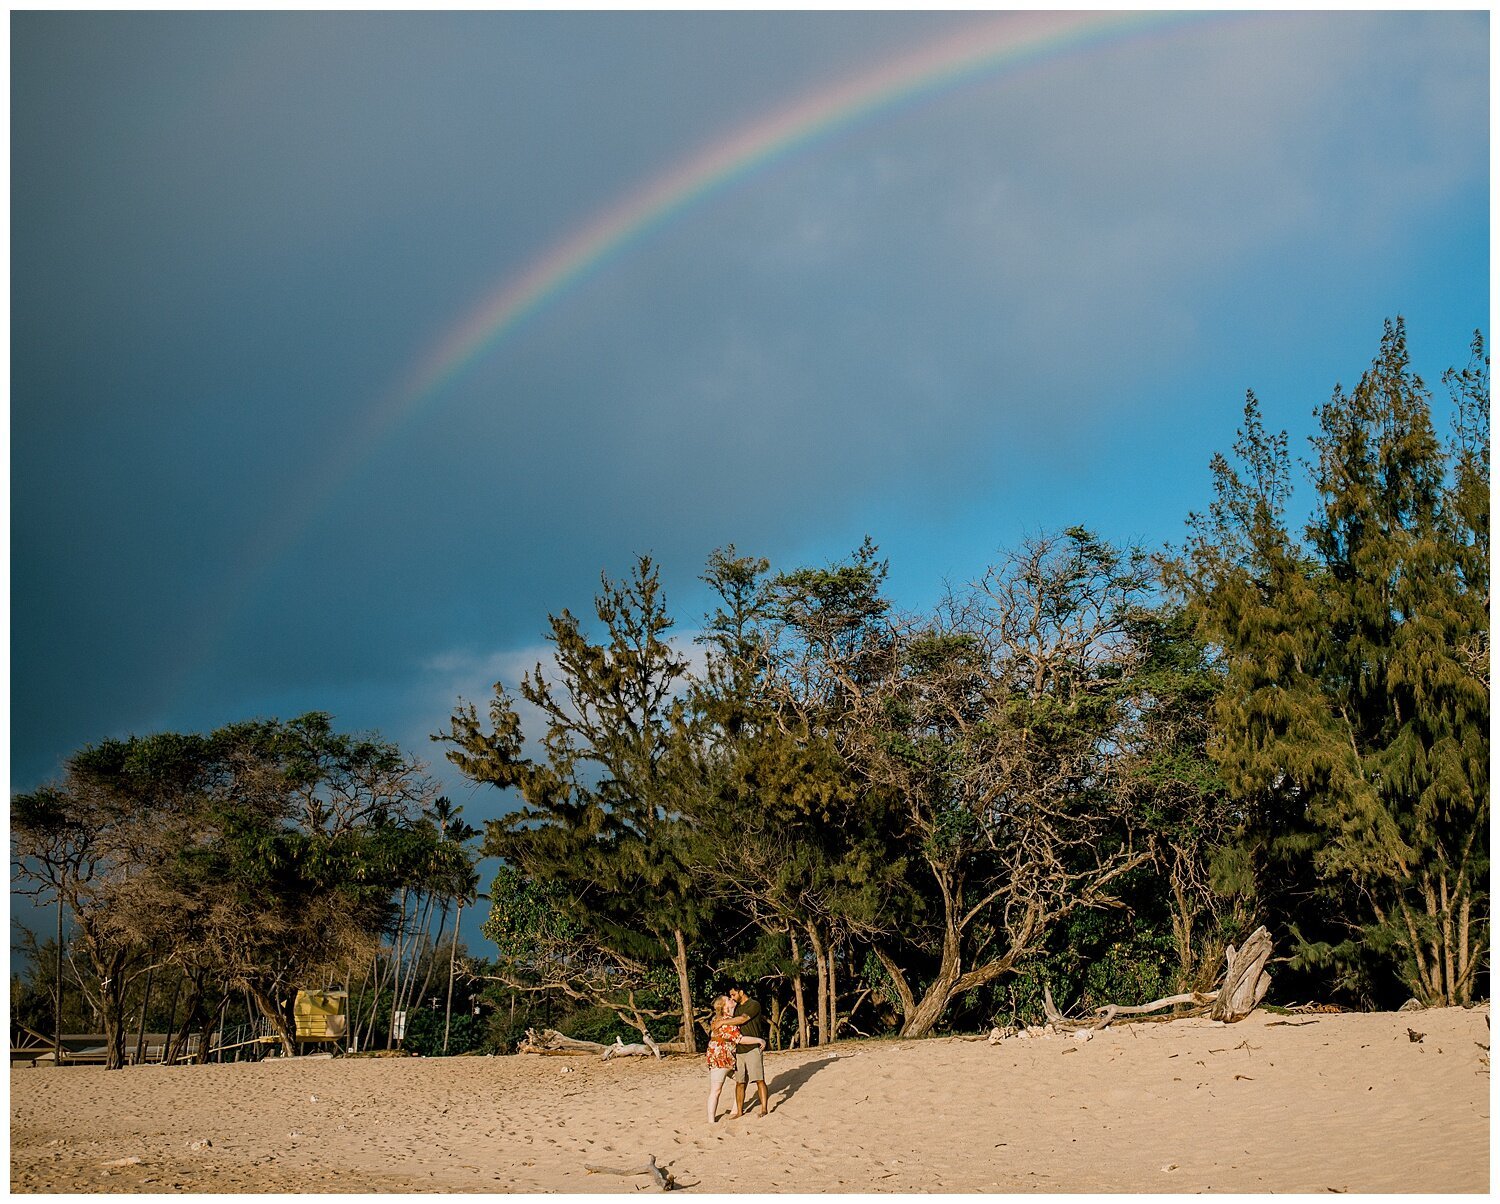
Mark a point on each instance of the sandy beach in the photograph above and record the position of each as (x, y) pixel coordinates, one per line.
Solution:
(1286, 1103)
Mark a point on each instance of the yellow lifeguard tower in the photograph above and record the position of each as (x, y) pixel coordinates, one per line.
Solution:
(322, 1016)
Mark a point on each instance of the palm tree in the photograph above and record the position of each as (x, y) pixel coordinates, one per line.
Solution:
(470, 894)
(456, 882)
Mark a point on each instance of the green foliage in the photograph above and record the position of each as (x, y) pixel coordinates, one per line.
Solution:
(997, 728)
(1096, 958)
(1353, 727)
(592, 826)
(527, 919)
(424, 1033)
(1083, 769)
(765, 955)
(600, 1024)
(260, 857)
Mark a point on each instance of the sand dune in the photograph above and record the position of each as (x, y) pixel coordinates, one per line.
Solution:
(1276, 1103)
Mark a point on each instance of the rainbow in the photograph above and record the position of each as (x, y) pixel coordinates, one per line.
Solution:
(977, 51)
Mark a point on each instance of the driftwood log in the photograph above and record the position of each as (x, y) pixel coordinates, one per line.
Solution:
(639, 1050)
(1245, 985)
(664, 1180)
(1245, 980)
(550, 1042)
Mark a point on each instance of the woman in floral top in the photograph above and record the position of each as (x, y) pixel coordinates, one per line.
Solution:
(722, 1039)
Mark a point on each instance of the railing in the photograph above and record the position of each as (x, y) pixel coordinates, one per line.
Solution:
(85, 1049)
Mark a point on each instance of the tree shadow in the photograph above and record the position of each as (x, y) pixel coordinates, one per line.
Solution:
(787, 1085)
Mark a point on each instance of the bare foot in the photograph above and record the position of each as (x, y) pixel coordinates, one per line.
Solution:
(735, 1115)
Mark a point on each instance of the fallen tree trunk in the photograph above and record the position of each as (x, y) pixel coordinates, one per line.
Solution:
(549, 1041)
(1245, 985)
(639, 1050)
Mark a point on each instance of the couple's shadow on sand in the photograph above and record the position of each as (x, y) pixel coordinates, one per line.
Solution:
(784, 1086)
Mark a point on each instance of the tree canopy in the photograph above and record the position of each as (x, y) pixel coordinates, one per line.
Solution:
(1087, 771)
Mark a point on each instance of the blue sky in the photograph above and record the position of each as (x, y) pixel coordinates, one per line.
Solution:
(1033, 300)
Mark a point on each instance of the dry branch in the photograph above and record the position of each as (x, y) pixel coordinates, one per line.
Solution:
(1198, 999)
(664, 1181)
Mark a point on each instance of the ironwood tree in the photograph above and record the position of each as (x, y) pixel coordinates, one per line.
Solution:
(595, 806)
(1355, 715)
(76, 843)
(776, 829)
(1201, 872)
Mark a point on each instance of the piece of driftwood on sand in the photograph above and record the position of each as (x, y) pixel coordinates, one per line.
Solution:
(1245, 985)
(664, 1180)
(549, 1041)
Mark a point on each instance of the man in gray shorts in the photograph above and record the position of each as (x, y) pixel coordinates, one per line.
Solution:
(749, 1060)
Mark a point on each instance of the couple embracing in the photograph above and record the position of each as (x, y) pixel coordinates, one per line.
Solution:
(737, 1042)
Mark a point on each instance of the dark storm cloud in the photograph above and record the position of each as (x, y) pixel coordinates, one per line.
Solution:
(979, 314)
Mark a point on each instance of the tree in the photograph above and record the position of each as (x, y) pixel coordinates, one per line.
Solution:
(1249, 586)
(458, 886)
(87, 842)
(262, 856)
(772, 833)
(308, 838)
(595, 805)
(995, 725)
(1353, 696)
(60, 839)
(1178, 797)
(1469, 500)
(439, 872)
(799, 829)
